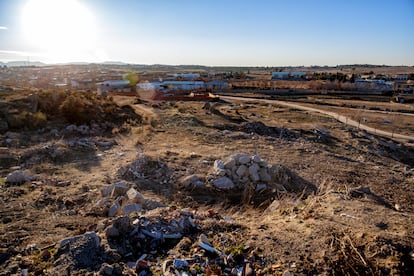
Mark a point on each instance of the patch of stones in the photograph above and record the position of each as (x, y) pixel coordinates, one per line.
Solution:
(165, 241)
(145, 167)
(121, 199)
(246, 178)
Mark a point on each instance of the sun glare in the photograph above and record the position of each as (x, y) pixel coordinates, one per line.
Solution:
(63, 30)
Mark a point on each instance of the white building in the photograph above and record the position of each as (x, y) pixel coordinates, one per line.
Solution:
(171, 85)
(117, 86)
(288, 75)
(187, 76)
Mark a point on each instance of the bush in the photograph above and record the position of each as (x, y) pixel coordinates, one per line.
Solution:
(78, 108)
(49, 101)
(27, 120)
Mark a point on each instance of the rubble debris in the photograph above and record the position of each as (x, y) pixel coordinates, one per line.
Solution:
(121, 199)
(144, 167)
(192, 181)
(115, 190)
(18, 177)
(134, 196)
(79, 252)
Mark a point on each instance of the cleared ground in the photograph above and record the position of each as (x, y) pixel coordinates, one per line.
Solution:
(339, 229)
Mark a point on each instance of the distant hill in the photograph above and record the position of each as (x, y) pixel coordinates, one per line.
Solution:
(22, 63)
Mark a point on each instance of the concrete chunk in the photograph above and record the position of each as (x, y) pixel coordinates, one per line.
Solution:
(131, 208)
(135, 196)
(114, 209)
(115, 190)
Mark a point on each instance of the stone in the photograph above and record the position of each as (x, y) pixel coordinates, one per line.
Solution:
(102, 202)
(111, 255)
(256, 159)
(255, 177)
(218, 165)
(241, 170)
(203, 238)
(106, 270)
(112, 232)
(260, 187)
(254, 169)
(123, 224)
(243, 159)
(115, 190)
(193, 180)
(16, 177)
(264, 175)
(131, 208)
(230, 163)
(134, 196)
(114, 209)
(87, 236)
(224, 183)
(151, 204)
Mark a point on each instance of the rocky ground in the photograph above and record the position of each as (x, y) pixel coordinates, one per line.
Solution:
(225, 188)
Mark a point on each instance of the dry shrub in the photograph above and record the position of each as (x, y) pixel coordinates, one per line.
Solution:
(49, 101)
(27, 120)
(79, 108)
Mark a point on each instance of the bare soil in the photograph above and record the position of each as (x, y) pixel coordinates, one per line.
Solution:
(340, 229)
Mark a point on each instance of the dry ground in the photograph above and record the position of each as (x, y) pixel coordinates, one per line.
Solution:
(334, 231)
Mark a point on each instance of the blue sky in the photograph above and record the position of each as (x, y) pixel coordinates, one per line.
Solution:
(210, 32)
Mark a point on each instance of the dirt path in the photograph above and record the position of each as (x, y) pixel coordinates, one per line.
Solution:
(339, 117)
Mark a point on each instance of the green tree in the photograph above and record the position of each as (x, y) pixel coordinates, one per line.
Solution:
(132, 77)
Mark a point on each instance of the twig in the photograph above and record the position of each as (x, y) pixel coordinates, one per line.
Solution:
(353, 247)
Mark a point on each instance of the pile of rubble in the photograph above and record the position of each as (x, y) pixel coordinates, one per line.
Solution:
(120, 199)
(240, 170)
(248, 178)
(145, 167)
(165, 241)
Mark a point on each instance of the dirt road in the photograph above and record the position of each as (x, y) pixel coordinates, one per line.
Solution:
(339, 117)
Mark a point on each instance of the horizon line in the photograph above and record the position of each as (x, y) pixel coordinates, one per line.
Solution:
(109, 62)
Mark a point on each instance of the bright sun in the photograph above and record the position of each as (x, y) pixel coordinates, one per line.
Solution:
(63, 30)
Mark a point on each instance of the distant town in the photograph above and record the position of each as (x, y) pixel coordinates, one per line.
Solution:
(178, 82)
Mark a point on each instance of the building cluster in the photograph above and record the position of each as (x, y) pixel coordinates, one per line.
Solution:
(105, 78)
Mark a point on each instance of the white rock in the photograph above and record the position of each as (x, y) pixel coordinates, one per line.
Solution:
(134, 196)
(223, 183)
(244, 159)
(131, 208)
(16, 177)
(241, 170)
(115, 190)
